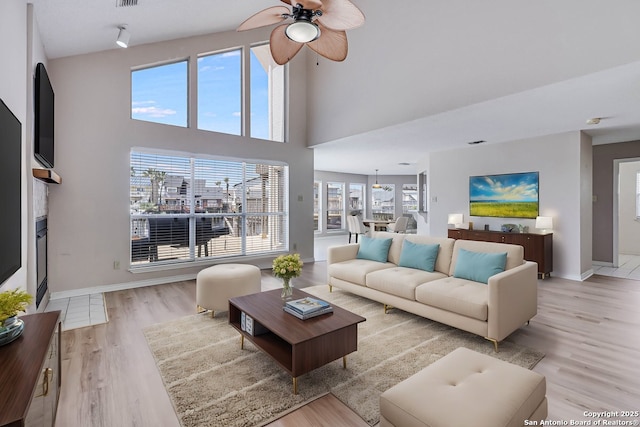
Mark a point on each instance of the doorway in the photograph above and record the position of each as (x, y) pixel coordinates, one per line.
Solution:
(626, 220)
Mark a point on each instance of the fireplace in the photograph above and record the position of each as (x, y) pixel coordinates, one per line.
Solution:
(41, 258)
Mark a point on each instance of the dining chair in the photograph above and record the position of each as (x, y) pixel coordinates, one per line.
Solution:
(356, 226)
(400, 226)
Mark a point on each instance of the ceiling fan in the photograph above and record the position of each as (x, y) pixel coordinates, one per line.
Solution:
(320, 24)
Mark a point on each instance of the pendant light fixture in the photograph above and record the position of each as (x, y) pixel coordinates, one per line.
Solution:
(376, 185)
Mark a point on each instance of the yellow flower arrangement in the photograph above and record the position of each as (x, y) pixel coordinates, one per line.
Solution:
(287, 266)
(11, 302)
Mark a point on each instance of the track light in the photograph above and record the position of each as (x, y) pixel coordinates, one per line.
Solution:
(123, 37)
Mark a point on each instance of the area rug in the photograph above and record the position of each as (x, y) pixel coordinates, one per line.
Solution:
(211, 381)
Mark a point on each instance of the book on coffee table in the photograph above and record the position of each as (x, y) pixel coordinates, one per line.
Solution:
(307, 305)
(306, 316)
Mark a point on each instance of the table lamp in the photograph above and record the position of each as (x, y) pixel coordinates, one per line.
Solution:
(545, 223)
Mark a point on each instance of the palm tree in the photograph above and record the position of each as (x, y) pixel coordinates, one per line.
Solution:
(226, 180)
(156, 178)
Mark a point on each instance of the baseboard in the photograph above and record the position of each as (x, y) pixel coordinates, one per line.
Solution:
(585, 275)
(121, 286)
(141, 283)
(602, 263)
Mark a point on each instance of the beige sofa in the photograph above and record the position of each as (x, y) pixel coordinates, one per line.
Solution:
(492, 310)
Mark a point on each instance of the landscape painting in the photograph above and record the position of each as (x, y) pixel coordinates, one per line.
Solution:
(513, 195)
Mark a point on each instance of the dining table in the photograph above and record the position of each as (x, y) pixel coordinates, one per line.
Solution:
(377, 224)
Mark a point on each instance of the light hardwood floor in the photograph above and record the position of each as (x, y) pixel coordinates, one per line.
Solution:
(590, 332)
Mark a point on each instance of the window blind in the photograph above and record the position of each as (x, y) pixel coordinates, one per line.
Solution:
(187, 208)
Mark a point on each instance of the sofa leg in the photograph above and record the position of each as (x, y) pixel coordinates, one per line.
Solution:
(387, 307)
(330, 288)
(495, 343)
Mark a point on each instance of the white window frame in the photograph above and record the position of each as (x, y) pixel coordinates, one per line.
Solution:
(277, 211)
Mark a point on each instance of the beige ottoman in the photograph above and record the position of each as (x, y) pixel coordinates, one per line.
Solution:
(215, 285)
(466, 388)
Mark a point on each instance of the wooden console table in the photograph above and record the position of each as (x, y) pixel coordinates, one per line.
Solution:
(537, 247)
(30, 373)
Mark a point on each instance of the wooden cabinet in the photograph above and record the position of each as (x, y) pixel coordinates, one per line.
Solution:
(30, 373)
(537, 247)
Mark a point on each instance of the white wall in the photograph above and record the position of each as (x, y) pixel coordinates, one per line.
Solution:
(89, 212)
(403, 73)
(13, 88)
(557, 158)
(628, 226)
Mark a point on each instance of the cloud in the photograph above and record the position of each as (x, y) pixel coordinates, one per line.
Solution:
(236, 114)
(153, 111)
(496, 190)
(136, 103)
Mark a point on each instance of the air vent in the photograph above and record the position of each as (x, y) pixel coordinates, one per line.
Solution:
(126, 3)
(476, 142)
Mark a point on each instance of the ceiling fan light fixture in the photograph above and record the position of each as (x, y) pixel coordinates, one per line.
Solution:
(302, 31)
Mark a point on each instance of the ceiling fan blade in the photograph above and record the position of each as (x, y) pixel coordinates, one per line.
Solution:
(306, 4)
(309, 4)
(331, 44)
(283, 49)
(269, 16)
(340, 15)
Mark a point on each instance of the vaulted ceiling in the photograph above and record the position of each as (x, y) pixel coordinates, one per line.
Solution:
(422, 76)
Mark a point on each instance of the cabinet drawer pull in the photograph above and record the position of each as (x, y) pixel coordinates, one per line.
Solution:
(45, 384)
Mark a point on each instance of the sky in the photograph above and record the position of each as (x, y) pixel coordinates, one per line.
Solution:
(519, 187)
(159, 94)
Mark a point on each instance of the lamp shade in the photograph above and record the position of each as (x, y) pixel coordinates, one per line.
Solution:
(455, 219)
(123, 37)
(544, 222)
(302, 31)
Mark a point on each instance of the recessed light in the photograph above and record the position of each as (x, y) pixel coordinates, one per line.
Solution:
(593, 121)
(480, 141)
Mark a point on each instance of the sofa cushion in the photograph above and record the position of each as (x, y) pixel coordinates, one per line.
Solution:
(396, 244)
(443, 262)
(515, 253)
(479, 266)
(355, 270)
(459, 296)
(374, 249)
(418, 256)
(400, 281)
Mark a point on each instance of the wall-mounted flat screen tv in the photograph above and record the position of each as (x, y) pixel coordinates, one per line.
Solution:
(511, 195)
(43, 126)
(10, 182)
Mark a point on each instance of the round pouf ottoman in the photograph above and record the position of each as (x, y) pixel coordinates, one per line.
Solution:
(215, 285)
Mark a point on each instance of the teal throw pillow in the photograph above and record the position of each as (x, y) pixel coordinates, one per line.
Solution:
(374, 249)
(416, 255)
(479, 266)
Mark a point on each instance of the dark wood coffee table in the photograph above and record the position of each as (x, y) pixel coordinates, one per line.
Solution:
(298, 346)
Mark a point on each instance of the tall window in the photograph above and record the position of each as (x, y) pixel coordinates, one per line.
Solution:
(317, 202)
(383, 202)
(159, 94)
(267, 95)
(220, 92)
(638, 195)
(335, 205)
(409, 197)
(356, 199)
(185, 208)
